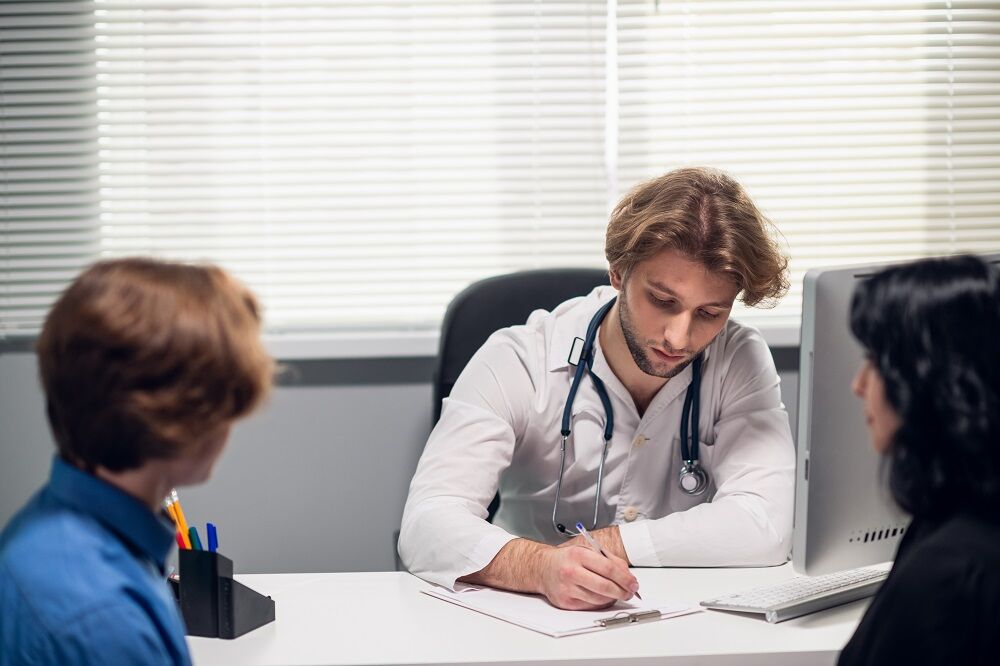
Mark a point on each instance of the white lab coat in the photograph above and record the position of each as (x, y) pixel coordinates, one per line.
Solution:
(500, 427)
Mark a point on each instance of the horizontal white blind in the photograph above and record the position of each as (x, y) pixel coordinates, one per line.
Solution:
(49, 175)
(867, 130)
(356, 163)
(359, 163)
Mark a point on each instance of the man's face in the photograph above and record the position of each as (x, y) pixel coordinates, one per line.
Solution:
(671, 309)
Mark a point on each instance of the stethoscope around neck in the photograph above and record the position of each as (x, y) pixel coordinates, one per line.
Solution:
(693, 479)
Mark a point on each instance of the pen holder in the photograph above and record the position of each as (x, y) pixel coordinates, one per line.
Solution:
(215, 605)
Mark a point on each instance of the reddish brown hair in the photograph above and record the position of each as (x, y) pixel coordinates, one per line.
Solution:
(707, 215)
(143, 359)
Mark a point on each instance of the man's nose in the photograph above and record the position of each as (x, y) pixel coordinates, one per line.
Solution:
(677, 332)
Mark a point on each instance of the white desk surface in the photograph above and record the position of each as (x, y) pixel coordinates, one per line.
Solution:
(382, 618)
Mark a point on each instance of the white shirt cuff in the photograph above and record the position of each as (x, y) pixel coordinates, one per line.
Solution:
(638, 543)
(483, 553)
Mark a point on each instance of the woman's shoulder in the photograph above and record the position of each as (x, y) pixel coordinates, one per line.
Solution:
(955, 564)
(965, 539)
(941, 602)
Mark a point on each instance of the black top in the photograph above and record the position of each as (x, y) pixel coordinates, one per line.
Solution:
(941, 601)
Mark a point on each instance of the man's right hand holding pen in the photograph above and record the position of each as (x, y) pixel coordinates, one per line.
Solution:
(580, 578)
(573, 576)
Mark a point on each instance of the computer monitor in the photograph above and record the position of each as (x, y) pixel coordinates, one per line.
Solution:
(844, 515)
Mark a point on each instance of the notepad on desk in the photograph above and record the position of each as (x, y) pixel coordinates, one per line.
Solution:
(534, 612)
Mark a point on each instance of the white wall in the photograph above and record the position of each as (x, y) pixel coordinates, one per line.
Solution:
(316, 481)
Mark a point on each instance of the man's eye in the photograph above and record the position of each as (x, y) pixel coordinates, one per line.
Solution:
(661, 302)
(709, 315)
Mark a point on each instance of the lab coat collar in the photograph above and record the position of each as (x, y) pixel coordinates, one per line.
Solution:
(571, 323)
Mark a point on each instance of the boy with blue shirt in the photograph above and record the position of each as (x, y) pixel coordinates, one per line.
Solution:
(145, 366)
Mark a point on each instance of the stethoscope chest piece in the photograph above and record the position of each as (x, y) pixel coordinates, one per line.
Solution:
(693, 479)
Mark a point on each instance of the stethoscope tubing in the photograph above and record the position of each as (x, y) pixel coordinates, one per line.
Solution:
(689, 415)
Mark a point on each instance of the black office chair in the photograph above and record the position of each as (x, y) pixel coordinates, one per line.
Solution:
(494, 303)
(488, 305)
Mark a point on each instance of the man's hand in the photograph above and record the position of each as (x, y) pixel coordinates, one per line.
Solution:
(579, 578)
(570, 576)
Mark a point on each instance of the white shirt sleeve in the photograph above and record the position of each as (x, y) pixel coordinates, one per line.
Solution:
(444, 534)
(749, 520)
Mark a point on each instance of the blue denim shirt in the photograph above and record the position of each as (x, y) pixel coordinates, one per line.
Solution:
(82, 579)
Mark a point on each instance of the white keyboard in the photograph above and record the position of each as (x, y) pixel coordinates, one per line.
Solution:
(804, 594)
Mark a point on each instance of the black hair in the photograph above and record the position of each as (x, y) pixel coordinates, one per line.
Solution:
(931, 329)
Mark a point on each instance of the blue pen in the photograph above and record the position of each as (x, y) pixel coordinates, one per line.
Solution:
(596, 546)
(213, 537)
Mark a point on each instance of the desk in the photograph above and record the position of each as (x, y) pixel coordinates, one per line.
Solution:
(382, 618)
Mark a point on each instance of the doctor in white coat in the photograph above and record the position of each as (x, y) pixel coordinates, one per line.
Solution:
(663, 350)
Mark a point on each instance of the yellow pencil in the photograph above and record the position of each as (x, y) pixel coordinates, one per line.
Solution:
(173, 517)
(178, 516)
(170, 512)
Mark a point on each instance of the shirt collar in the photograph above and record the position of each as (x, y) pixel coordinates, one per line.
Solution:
(148, 534)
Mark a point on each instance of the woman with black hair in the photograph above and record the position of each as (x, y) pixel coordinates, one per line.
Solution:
(930, 384)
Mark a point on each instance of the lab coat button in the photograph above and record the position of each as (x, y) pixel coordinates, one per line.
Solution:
(639, 441)
(630, 513)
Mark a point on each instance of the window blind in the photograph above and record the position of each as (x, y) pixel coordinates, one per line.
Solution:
(866, 130)
(49, 162)
(359, 163)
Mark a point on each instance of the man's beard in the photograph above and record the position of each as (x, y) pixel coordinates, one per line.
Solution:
(638, 349)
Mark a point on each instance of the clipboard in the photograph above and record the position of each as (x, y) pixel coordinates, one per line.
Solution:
(534, 612)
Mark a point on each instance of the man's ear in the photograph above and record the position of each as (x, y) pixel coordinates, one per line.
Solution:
(616, 278)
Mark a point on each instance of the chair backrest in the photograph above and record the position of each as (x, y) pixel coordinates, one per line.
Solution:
(486, 306)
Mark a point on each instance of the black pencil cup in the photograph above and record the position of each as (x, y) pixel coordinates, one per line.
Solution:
(215, 605)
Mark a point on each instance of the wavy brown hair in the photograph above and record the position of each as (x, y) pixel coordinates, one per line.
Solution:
(705, 214)
(144, 359)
